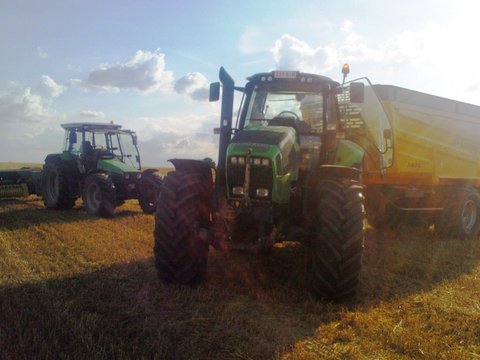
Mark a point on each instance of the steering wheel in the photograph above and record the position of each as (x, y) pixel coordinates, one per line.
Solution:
(287, 113)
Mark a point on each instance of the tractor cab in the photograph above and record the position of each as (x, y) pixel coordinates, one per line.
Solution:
(102, 145)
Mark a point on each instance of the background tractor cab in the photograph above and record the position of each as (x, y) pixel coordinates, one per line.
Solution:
(100, 162)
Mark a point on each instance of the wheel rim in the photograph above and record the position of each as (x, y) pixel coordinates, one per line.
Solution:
(94, 197)
(469, 215)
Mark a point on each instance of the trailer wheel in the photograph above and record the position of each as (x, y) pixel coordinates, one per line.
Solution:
(150, 185)
(461, 216)
(55, 189)
(337, 246)
(183, 208)
(99, 195)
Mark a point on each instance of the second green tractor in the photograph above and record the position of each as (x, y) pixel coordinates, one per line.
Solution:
(100, 163)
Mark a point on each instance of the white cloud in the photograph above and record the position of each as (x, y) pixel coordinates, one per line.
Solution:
(49, 88)
(189, 137)
(194, 84)
(23, 106)
(292, 53)
(145, 71)
(92, 114)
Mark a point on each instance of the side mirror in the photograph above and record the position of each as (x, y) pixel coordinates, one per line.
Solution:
(357, 93)
(134, 139)
(214, 92)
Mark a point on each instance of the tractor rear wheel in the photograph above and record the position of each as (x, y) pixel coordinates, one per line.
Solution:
(99, 195)
(55, 189)
(183, 208)
(150, 185)
(337, 246)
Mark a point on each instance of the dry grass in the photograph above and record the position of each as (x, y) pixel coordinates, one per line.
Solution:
(75, 286)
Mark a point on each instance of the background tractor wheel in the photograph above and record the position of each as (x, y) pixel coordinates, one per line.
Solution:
(55, 190)
(183, 207)
(461, 215)
(337, 246)
(99, 195)
(150, 185)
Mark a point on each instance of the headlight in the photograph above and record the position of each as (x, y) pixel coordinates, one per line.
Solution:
(257, 161)
(139, 176)
(238, 190)
(127, 176)
(241, 161)
(261, 192)
(234, 160)
(265, 162)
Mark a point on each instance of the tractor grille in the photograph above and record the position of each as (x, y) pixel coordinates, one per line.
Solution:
(261, 177)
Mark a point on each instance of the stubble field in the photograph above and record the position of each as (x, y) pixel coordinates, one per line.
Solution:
(75, 286)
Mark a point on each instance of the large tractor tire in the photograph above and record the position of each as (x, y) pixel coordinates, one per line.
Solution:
(55, 188)
(337, 246)
(183, 208)
(99, 195)
(150, 185)
(461, 215)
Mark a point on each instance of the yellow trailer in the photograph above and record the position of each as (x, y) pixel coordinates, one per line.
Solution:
(428, 164)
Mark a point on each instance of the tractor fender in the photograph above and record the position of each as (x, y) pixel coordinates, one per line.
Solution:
(338, 171)
(204, 169)
(93, 171)
(149, 171)
(195, 166)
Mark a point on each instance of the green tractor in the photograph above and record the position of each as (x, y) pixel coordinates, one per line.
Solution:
(100, 163)
(290, 169)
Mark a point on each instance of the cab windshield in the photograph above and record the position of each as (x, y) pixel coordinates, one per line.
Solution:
(267, 104)
(118, 144)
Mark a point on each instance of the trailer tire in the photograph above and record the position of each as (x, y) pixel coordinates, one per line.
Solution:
(338, 241)
(183, 208)
(461, 215)
(99, 195)
(150, 185)
(55, 188)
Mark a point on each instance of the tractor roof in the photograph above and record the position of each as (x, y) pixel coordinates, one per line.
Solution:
(289, 75)
(92, 126)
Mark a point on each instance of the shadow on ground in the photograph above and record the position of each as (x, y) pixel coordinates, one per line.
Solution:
(23, 212)
(251, 307)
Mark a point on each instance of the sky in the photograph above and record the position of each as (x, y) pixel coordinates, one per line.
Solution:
(147, 64)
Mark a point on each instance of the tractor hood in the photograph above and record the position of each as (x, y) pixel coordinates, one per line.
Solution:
(277, 143)
(115, 165)
(261, 163)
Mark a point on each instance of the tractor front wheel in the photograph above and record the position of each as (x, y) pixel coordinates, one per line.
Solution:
(150, 185)
(339, 233)
(183, 208)
(99, 195)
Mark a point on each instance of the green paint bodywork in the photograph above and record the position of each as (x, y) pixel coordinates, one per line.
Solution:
(349, 154)
(282, 178)
(115, 166)
(65, 156)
